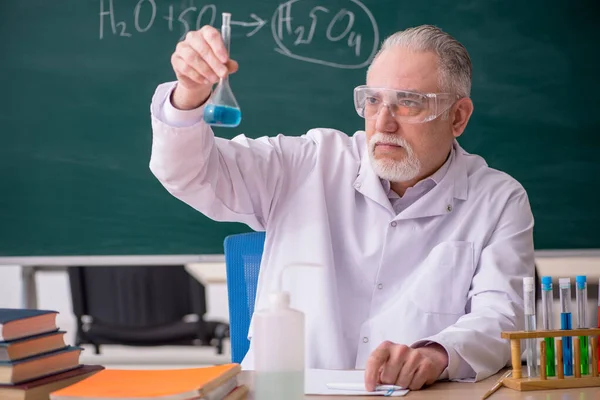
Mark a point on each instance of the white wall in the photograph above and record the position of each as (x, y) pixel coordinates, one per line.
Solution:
(54, 294)
(10, 286)
(54, 291)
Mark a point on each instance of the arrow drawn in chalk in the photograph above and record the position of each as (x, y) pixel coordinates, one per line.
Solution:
(258, 23)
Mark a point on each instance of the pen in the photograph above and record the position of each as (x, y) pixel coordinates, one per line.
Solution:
(361, 387)
(387, 388)
(496, 386)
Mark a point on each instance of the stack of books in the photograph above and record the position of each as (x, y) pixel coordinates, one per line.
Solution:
(34, 357)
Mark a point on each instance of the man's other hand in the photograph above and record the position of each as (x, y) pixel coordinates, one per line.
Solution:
(398, 364)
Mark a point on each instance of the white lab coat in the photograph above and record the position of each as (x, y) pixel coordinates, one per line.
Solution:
(447, 269)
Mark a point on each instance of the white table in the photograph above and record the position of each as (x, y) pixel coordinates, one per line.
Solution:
(460, 391)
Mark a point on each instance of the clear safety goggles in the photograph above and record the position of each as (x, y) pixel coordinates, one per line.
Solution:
(405, 106)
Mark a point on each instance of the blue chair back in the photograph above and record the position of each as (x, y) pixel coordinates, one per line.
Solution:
(243, 253)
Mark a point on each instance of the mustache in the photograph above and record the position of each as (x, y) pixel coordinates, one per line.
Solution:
(380, 138)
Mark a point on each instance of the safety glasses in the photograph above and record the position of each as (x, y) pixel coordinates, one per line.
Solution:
(405, 106)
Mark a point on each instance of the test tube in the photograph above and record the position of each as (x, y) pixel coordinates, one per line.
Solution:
(530, 344)
(564, 284)
(548, 324)
(598, 350)
(582, 315)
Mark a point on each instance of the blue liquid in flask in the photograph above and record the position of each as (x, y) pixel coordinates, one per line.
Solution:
(221, 115)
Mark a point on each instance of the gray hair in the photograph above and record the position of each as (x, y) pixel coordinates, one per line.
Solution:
(454, 67)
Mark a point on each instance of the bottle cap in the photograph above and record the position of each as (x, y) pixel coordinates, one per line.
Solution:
(546, 280)
(564, 283)
(528, 284)
(580, 279)
(279, 299)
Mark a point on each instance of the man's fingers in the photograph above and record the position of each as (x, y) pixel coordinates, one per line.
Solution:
(188, 83)
(198, 62)
(412, 360)
(232, 66)
(185, 73)
(202, 55)
(419, 379)
(391, 369)
(215, 41)
(376, 361)
(195, 62)
(398, 364)
(432, 375)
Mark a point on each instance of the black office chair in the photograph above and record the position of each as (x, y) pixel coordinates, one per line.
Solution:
(141, 306)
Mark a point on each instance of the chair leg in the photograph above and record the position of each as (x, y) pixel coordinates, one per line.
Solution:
(79, 333)
(213, 334)
(221, 333)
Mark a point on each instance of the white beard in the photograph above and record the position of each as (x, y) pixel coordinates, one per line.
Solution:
(392, 170)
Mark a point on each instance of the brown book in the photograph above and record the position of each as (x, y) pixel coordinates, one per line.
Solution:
(31, 346)
(239, 393)
(28, 369)
(40, 389)
(17, 323)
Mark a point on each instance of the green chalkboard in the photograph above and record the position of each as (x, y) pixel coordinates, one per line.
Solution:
(78, 75)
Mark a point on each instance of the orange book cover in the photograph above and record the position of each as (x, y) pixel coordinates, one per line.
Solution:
(119, 383)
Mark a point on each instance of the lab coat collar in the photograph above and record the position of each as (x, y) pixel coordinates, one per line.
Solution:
(369, 184)
(438, 201)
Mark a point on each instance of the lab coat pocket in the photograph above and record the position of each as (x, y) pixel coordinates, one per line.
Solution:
(441, 283)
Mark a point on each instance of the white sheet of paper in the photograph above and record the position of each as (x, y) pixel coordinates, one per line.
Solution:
(316, 381)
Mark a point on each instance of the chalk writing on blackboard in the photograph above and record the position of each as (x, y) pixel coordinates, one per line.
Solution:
(356, 44)
(340, 28)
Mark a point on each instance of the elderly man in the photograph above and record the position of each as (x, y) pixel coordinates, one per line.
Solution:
(423, 246)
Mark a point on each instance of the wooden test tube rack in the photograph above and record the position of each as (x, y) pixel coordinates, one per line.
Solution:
(542, 382)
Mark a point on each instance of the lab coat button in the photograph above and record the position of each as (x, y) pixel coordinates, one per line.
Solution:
(365, 339)
(393, 224)
(380, 286)
(449, 208)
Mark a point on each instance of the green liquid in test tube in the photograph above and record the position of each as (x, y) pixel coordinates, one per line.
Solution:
(547, 324)
(582, 316)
